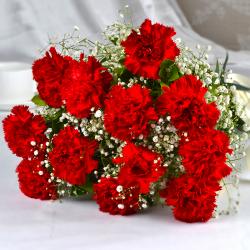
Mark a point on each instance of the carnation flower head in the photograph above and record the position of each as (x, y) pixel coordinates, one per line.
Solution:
(147, 49)
(33, 180)
(21, 128)
(111, 199)
(184, 101)
(204, 154)
(48, 72)
(192, 199)
(85, 85)
(72, 157)
(140, 165)
(128, 112)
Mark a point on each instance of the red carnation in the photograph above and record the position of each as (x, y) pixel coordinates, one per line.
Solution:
(21, 129)
(117, 197)
(48, 72)
(146, 50)
(193, 199)
(72, 156)
(184, 101)
(84, 86)
(140, 165)
(204, 154)
(33, 180)
(128, 112)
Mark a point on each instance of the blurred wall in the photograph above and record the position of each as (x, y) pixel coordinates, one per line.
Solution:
(26, 24)
(226, 22)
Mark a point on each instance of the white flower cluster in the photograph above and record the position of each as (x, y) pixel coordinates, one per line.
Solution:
(131, 82)
(164, 140)
(112, 50)
(88, 127)
(190, 63)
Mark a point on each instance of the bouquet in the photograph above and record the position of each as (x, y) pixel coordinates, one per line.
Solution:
(134, 121)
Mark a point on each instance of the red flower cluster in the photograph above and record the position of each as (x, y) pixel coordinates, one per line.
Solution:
(48, 72)
(117, 196)
(204, 154)
(80, 84)
(21, 128)
(139, 168)
(72, 156)
(33, 180)
(184, 101)
(140, 165)
(146, 50)
(85, 85)
(24, 133)
(131, 117)
(193, 198)
(203, 151)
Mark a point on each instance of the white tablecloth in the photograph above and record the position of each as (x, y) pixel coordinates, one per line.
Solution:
(77, 224)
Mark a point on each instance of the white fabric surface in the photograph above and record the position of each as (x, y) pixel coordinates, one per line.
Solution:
(78, 225)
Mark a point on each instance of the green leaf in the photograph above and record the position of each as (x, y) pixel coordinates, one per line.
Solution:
(113, 40)
(174, 74)
(163, 84)
(156, 88)
(225, 63)
(169, 72)
(123, 74)
(240, 123)
(38, 101)
(119, 71)
(77, 191)
(53, 121)
(88, 186)
(217, 68)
